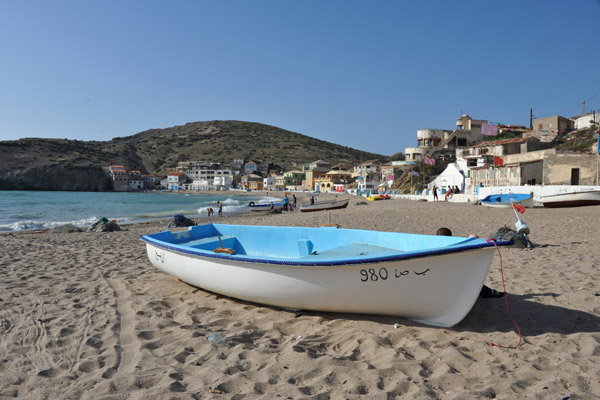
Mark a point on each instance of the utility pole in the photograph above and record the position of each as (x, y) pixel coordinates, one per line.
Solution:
(583, 106)
(531, 118)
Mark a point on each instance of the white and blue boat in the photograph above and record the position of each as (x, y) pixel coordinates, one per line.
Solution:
(431, 279)
(265, 206)
(504, 200)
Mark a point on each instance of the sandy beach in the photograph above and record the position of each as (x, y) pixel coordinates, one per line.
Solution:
(86, 316)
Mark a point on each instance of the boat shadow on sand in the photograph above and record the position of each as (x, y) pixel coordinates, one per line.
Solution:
(487, 315)
(532, 317)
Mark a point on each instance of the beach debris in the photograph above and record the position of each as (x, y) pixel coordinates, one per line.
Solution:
(104, 225)
(520, 239)
(215, 391)
(329, 225)
(295, 337)
(215, 339)
(179, 221)
(396, 325)
(66, 228)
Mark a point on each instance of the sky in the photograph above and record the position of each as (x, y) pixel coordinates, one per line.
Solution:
(363, 74)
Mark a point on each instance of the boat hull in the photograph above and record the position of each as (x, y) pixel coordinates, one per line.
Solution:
(503, 201)
(266, 207)
(323, 205)
(433, 287)
(573, 199)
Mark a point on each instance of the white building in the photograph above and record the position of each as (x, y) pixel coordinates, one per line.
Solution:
(176, 180)
(584, 121)
(270, 182)
(467, 131)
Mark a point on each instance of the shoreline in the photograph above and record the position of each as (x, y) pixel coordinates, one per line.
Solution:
(85, 315)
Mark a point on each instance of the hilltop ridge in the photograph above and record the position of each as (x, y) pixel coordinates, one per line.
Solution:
(62, 164)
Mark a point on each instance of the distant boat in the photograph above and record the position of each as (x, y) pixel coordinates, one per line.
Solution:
(572, 199)
(428, 278)
(374, 197)
(323, 205)
(504, 200)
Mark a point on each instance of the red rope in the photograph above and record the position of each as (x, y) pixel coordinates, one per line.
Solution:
(506, 300)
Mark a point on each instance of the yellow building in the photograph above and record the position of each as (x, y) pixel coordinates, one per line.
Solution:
(334, 181)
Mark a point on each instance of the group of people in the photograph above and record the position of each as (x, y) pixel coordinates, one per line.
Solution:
(211, 212)
(286, 203)
(451, 191)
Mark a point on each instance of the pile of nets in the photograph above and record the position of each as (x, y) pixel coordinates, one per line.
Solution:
(179, 221)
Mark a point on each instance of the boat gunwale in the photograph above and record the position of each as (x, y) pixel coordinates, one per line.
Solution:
(556, 195)
(307, 263)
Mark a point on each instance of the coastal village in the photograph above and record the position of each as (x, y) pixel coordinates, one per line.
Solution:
(473, 155)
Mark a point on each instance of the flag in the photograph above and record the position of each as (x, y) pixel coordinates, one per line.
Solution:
(519, 208)
(429, 160)
(489, 130)
(415, 173)
(498, 161)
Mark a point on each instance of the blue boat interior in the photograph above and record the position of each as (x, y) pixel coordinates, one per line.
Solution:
(308, 245)
(505, 198)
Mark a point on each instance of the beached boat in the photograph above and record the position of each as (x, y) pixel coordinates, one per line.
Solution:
(265, 206)
(323, 205)
(572, 199)
(374, 197)
(504, 200)
(431, 279)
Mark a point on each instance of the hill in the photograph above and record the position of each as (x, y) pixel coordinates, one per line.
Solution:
(62, 164)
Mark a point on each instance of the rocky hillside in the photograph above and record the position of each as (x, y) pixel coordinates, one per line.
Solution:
(60, 164)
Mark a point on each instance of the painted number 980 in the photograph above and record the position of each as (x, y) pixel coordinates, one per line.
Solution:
(374, 275)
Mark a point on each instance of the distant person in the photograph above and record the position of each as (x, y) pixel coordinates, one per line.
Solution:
(220, 205)
(435, 196)
(312, 200)
(210, 211)
(286, 202)
(448, 194)
(294, 202)
(486, 292)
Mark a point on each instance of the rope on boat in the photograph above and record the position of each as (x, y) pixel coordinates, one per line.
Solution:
(506, 300)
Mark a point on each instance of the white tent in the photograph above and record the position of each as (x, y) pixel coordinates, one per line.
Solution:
(453, 175)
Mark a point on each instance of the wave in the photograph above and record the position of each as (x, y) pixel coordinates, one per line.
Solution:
(37, 225)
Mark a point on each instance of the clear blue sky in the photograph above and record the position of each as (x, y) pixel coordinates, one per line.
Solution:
(365, 74)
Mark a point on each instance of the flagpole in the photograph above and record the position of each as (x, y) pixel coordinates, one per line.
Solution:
(411, 185)
(423, 171)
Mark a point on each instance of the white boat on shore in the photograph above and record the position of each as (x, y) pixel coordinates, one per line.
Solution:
(507, 200)
(265, 206)
(572, 199)
(431, 279)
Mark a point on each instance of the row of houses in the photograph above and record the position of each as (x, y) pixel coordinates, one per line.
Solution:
(319, 175)
(468, 132)
(531, 159)
(124, 180)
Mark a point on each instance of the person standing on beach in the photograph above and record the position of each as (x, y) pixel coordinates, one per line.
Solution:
(435, 197)
(486, 292)
(220, 205)
(294, 202)
(286, 201)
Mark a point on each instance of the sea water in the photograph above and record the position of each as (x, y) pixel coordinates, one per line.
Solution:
(31, 210)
